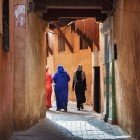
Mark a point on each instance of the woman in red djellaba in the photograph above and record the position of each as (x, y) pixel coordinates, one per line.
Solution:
(48, 88)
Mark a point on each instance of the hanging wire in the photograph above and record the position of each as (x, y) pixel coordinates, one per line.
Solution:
(54, 32)
(62, 30)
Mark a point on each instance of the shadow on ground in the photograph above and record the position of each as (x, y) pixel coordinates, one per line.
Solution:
(71, 125)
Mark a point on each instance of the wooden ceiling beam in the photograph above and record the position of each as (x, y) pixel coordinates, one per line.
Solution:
(67, 3)
(43, 8)
(62, 22)
(44, 5)
(100, 18)
(54, 9)
(55, 14)
(73, 12)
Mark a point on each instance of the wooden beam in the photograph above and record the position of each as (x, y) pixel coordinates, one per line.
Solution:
(45, 5)
(85, 38)
(68, 3)
(54, 9)
(65, 21)
(50, 50)
(98, 18)
(44, 8)
(61, 22)
(70, 13)
(64, 37)
(73, 13)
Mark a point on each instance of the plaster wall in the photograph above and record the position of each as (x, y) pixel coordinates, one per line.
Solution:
(6, 82)
(127, 66)
(29, 74)
(102, 73)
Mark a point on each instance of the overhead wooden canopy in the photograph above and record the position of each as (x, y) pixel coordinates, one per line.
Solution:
(52, 10)
(89, 29)
(74, 13)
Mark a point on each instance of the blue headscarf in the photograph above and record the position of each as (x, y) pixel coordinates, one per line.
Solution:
(60, 68)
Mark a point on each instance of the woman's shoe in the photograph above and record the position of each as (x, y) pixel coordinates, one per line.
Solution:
(82, 107)
(65, 109)
(78, 109)
(58, 109)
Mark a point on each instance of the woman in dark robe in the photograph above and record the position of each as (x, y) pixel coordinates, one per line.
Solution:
(61, 79)
(79, 84)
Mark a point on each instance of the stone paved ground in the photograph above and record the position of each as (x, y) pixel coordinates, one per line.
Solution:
(71, 125)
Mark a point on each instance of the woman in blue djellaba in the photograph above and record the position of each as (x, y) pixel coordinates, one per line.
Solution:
(61, 79)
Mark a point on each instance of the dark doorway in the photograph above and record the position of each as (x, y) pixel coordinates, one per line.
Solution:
(97, 89)
(6, 25)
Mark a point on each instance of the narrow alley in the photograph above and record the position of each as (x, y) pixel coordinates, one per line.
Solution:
(69, 51)
(71, 125)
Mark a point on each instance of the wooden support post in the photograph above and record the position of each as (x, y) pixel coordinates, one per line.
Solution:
(64, 37)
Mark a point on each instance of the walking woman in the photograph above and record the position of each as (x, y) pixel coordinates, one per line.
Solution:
(61, 79)
(79, 84)
(48, 88)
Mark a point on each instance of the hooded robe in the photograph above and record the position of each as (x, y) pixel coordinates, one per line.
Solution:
(61, 79)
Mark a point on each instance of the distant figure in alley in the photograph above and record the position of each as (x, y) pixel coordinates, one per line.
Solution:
(61, 79)
(49, 81)
(79, 84)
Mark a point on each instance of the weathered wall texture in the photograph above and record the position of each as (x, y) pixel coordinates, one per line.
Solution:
(70, 60)
(29, 64)
(127, 66)
(102, 73)
(35, 62)
(6, 84)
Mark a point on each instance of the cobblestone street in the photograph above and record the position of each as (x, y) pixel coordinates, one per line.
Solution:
(71, 125)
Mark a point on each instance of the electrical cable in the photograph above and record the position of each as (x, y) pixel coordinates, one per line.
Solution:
(54, 32)
(62, 30)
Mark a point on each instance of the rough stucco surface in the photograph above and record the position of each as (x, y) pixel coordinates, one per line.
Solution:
(35, 63)
(70, 60)
(29, 74)
(6, 84)
(127, 66)
(102, 73)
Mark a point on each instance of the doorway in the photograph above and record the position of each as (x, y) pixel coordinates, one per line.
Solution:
(6, 25)
(97, 89)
